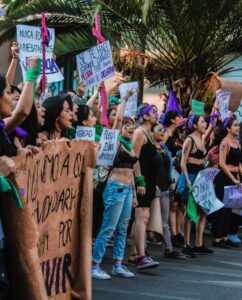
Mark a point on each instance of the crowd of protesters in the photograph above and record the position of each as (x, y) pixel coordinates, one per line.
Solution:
(159, 155)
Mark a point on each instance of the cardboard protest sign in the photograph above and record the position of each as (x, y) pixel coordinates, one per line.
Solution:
(131, 104)
(108, 149)
(203, 191)
(95, 64)
(50, 238)
(85, 133)
(222, 97)
(30, 44)
(233, 196)
(198, 107)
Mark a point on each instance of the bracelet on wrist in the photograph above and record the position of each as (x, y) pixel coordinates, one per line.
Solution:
(140, 181)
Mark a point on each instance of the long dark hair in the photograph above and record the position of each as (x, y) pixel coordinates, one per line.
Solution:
(82, 114)
(53, 108)
(3, 84)
(221, 132)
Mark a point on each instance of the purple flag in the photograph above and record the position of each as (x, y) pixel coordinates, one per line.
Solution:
(173, 103)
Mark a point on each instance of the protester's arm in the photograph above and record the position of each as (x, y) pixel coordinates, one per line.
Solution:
(25, 102)
(13, 65)
(138, 142)
(90, 102)
(121, 109)
(7, 166)
(186, 149)
(223, 152)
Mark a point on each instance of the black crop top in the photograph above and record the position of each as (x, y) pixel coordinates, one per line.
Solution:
(198, 154)
(123, 160)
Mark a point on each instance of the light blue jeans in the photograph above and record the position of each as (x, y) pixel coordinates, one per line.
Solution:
(117, 198)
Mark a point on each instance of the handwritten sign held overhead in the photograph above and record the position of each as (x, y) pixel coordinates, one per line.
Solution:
(131, 104)
(108, 148)
(85, 133)
(203, 191)
(222, 97)
(95, 64)
(30, 44)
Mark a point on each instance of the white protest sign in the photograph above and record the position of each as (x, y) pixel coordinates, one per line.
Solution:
(203, 191)
(233, 196)
(131, 104)
(238, 113)
(30, 44)
(95, 64)
(85, 133)
(108, 149)
(222, 97)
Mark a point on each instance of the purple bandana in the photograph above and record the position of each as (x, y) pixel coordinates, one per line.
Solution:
(191, 121)
(144, 111)
(213, 116)
(226, 121)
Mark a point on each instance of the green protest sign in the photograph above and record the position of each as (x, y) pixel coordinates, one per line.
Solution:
(198, 107)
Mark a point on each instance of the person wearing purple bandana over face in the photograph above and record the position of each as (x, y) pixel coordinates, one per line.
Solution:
(230, 171)
(193, 158)
(145, 177)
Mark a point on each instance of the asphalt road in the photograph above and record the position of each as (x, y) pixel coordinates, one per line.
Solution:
(206, 277)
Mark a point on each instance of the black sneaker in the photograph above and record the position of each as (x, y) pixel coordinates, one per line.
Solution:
(221, 244)
(188, 252)
(180, 238)
(176, 243)
(202, 250)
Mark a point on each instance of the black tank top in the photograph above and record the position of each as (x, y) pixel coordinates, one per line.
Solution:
(147, 154)
(123, 160)
(234, 156)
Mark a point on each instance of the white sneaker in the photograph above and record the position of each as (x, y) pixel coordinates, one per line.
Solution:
(100, 274)
(122, 272)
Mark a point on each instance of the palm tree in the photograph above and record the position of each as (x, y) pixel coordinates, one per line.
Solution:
(172, 42)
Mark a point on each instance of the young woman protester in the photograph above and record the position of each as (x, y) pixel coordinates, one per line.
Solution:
(145, 177)
(118, 196)
(230, 171)
(58, 116)
(193, 160)
(162, 164)
(8, 122)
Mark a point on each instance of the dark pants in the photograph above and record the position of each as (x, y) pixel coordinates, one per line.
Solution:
(221, 223)
(235, 222)
(98, 209)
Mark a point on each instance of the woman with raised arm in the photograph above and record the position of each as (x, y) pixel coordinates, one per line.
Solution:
(119, 196)
(230, 172)
(193, 160)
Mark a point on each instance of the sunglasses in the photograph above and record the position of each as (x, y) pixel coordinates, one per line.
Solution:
(160, 130)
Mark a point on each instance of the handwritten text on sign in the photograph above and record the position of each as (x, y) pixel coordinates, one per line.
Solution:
(233, 196)
(131, 105)
(50, 183)
(108, 148)
(85, 133)
(30, 44)
(203, 191)
(222, 97)
(96, 64)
